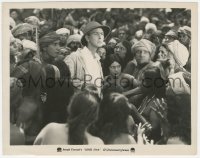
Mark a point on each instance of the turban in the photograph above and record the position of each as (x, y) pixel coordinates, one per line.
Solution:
(75, 37)
(172, 34)
(186, 30)
(179, 51)
(150, 26)
(27, 44)
(139, 34)
(145, 44)
(144, 19)
(63, 31)
(48, 39)
(33, 20)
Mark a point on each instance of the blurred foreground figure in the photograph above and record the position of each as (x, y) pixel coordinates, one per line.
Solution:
(82, 111)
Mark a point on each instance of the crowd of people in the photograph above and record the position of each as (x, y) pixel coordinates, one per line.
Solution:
(100, 76)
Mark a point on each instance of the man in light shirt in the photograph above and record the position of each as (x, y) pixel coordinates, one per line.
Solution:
(84, 64)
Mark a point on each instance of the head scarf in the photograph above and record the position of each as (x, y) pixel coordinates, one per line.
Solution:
(150, 26)
(63, 31)
(145, 44)
(75, 37)
(179, 51)
(48, 39)
(27, 44)
(171, 33)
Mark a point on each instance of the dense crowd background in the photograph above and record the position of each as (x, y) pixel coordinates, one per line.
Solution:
(123, 113)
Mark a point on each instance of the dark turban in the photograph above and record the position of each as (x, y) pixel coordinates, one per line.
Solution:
(48, 39)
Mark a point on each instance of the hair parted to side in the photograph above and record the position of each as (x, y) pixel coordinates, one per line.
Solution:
(83, 110)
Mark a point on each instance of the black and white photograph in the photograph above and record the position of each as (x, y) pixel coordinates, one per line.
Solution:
(101, 75)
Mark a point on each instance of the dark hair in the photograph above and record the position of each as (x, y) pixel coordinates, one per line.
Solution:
(129, 55)
(83, 110)
(114, 58)
(153, 74)
(92, 89)
(113, 113)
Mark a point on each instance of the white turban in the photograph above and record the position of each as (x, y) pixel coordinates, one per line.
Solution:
(179, 51)
(75, 38)
(63, 31)
(150, 26)
(27, 44)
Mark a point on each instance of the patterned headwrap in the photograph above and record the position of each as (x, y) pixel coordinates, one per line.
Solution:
(48, 39)
(146, 44)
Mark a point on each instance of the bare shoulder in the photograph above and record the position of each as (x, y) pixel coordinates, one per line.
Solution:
(94, 140)
(53, 125)
(124, 138)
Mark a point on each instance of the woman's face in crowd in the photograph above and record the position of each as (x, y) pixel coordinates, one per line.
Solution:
(53, 49)
(102, 53)
(184, 39)
(122, 35)
(14, 15)
(95, 38)
(115, 69)
(142, 56)
(120, 50)
(163, 53)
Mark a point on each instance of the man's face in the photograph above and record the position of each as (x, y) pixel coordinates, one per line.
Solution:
(26, 36)
(95, 38)
(115, 69)
(120, 50)
(163, 53)
(183, 38)
(53, 49)
(74, 45)
(63, 38)
(142, 56)
(13, 47)
(122, 35)
(102, 53)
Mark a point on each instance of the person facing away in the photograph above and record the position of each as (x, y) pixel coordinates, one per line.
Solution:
(82, 111)
(84, 64)
(114, 121)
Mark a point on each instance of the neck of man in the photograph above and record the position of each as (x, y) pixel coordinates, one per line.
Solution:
(92, 49)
